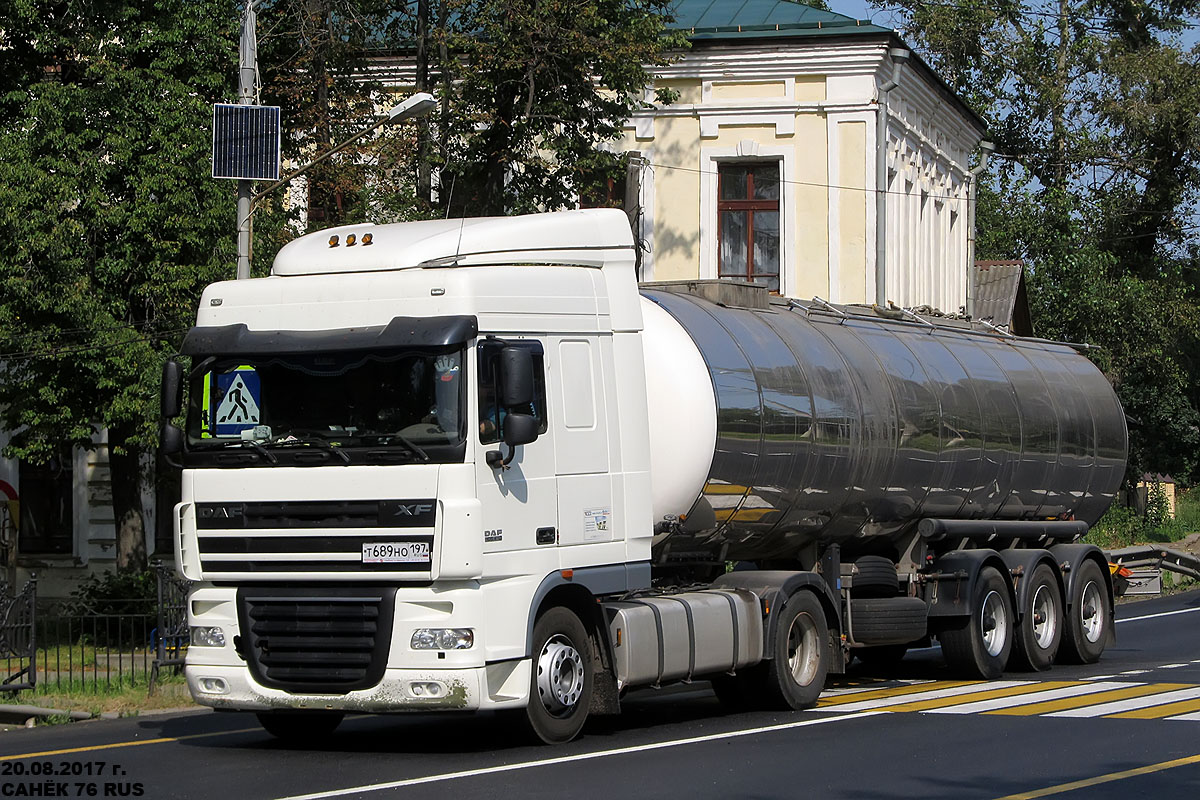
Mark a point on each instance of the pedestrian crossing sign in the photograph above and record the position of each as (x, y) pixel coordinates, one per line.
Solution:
(240, 393)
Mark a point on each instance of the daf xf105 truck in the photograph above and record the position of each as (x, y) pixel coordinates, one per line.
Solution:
(471, 464)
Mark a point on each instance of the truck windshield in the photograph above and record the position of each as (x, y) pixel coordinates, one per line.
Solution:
(328, 408)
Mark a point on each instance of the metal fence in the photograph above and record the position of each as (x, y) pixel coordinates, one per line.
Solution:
(76, 647)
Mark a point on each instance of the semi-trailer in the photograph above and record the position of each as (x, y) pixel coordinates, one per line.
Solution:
(472, 464)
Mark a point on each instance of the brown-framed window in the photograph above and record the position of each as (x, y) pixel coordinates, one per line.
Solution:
(748, 244)
(47, 506)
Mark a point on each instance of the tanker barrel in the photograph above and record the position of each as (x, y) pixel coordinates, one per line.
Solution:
(934, 530)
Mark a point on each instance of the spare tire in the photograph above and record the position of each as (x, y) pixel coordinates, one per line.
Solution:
(888, 620)
(875, 576)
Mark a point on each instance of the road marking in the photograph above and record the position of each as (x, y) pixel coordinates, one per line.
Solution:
(1059, 708)
(1033, 697)
(138, 743)
(1145, 701)
(1172, 666)
(1100, 678)
(893, 691)
(1135, 672)
(546, 762)
(1022, 688)
(1158, 712)
(1099, 779)
(936, 694)
(1162, 614)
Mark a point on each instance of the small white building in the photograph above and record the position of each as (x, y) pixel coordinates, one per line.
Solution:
(808, 151)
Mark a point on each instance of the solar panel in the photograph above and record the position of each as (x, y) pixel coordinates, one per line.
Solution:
(245, 142)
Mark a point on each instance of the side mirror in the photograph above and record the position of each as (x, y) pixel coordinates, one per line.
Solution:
(172, 389)
(520, 429)
(170, 439)
(516, 376)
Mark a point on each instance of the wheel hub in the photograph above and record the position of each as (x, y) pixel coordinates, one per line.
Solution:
(1092, 612)
(1045, 620)
(993, 623)
(559, 676)
(804, 651)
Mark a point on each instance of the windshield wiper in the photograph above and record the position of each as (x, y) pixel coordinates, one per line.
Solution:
(316, 441)
(217, 444)
(411, 445)
(397, 438)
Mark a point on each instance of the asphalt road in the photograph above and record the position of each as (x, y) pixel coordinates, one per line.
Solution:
(1126, 727)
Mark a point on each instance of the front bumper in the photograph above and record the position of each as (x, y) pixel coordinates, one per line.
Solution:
(504, 684)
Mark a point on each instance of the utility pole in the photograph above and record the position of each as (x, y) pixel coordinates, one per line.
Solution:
(247, 96)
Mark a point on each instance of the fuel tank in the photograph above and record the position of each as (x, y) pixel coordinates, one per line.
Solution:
(775, 427)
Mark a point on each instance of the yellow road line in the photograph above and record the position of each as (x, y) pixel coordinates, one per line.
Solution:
(1082, 700)
(1158, 712)
(895, 691)
(1099, 779)
(137, 743)
(992, 694)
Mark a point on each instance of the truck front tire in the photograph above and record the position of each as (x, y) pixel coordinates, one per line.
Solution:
(561, 683)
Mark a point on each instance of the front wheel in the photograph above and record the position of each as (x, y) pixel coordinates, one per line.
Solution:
(561, 683)
(979, 644)
(1089, 621)
(795, 676)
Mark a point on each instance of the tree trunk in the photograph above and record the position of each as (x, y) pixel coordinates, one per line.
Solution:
(125, 466)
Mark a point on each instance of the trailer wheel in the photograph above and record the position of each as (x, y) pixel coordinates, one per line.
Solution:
(561, 684)
(1089, 622)
(299, 726)
(1040, 631)
(979, 644)
(795, 676)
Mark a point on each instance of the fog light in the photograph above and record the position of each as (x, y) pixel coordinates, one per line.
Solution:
(214, 686)
(208, 636)
(442, 639)
(426, 689)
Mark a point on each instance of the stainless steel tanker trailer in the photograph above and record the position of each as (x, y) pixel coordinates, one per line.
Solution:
(471, 465)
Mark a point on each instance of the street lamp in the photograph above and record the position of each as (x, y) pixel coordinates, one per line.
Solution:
(418, 105)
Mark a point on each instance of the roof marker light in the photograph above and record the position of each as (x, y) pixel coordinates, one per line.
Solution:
(333, 241)
(366, 239)
(351, 240)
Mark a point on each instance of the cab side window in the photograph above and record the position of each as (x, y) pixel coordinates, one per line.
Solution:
(491, 413)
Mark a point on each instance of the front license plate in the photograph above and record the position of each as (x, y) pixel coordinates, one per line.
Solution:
(395, 552)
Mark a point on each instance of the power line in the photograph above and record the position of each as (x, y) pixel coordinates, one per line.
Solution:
(29, 355)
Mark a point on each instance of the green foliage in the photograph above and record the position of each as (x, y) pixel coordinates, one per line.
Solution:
(1122, 526)
(1095, 186)
(114, 592)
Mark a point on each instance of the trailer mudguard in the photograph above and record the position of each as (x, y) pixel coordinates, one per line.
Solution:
(949, 590)
(1069, 557)
(1022, 563)
(774, 588)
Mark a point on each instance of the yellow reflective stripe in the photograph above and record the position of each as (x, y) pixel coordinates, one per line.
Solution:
(895, 691)
(992, 694)
(1082, 700)
(1158, 712)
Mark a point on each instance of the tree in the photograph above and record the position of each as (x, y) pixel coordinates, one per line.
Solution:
(1092, 105)
(530, 90)
(109, 223)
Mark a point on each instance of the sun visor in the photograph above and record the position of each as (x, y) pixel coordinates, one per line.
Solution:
(400, 332)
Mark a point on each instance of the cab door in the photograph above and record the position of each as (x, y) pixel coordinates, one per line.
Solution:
(517, 500)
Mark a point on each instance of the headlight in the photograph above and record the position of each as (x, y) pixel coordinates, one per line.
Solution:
(442, 639)
(205, 636)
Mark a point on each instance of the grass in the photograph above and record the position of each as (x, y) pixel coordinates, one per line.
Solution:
(1123, 527)
(170, 692)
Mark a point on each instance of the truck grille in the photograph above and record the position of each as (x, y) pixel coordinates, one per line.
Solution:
(326, 640)
(310, 536)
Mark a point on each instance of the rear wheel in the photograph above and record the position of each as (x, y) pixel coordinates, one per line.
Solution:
(1040, 631)
(795, 676)
(299, 726)
(561, 683)
(1089, 621)
(979, 644)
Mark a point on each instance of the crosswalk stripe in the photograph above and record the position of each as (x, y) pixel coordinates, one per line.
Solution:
(1193, 717)
(874, 687)
(1162, 697)
(991, 694)
(1158, 712)
(1058, 708)
(935, 694)
(893, 691)
(1033, 697)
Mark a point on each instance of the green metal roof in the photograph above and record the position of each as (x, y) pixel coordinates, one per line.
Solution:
(745, 19)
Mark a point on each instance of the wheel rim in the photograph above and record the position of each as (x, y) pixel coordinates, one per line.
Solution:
(559, 676)
(1045, 617)
(993, 621)
(1091, 612)
(804, 650)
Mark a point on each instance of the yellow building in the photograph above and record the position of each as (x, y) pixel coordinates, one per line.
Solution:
(808, 151)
